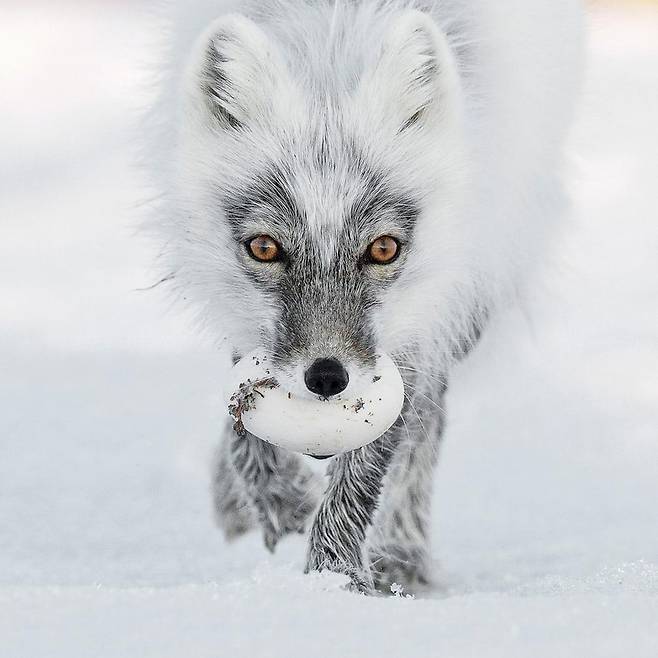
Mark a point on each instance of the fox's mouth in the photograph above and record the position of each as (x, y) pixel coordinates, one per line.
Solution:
(263, 403)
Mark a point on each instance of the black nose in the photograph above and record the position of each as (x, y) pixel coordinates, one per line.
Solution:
(326, 377)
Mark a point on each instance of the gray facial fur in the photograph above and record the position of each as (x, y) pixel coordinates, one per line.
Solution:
(323, 303)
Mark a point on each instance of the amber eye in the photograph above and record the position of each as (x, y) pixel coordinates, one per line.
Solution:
(264, 248)
(384, 250)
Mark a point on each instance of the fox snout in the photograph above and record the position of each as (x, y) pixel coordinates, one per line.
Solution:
(326, 377)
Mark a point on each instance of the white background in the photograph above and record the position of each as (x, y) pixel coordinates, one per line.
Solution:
(546, 523)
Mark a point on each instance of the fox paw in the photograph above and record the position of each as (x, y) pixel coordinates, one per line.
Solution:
(345, 560)
(286, 505)
(280, 517)
(407, 569)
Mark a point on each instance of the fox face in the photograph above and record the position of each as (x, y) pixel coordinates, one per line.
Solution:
(318, 208)
(322, 270)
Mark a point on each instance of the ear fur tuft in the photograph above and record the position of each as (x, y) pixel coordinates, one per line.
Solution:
(416, 74)
(240, 71)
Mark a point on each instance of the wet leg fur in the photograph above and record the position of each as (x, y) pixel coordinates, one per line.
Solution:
(399, 539)
(374, 520)
(257, 484)
(373, 524)
(337, 540)
(235, 513)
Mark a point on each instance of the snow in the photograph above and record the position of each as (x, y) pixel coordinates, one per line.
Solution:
(546, 527)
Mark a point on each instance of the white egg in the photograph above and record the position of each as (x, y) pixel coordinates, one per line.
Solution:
(312, 426)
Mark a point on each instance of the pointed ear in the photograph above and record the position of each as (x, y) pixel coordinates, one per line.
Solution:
(415, 81)
(239, 75)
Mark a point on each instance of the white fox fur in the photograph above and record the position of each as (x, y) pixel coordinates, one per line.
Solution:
(460, 106)
(518, 62)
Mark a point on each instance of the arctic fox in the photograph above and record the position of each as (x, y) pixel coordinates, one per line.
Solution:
(346, 177)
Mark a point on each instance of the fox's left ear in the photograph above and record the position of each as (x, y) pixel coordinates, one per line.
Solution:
(415, 81)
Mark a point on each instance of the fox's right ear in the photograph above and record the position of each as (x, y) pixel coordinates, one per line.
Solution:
(238, 74)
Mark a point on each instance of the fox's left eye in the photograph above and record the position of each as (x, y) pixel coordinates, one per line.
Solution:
(383, 250)
(264, 249)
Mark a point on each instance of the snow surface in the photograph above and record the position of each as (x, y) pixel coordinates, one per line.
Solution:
(546, 523)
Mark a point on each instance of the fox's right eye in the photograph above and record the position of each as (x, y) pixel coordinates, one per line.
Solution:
(384, 250)
(265, 249)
